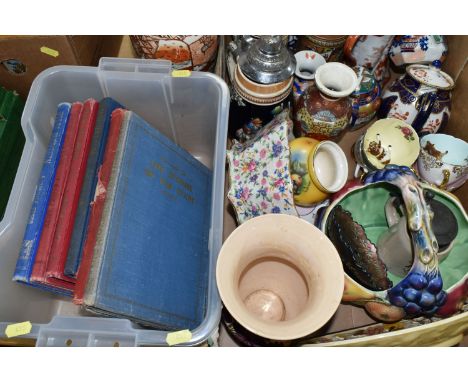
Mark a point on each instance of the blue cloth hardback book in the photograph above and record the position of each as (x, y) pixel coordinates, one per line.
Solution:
(95, 158)
(32, 235)
(151, 257)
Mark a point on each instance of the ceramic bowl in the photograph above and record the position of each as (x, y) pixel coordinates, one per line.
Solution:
(259, 174)
(318, 168)
(279, 277)
(443, 161)
(429, 287)
(387, 141)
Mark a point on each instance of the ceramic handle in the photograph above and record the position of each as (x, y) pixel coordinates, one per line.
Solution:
(426, 103)
(233, 47)
(391, 212)
(443, 184)
(348, 48)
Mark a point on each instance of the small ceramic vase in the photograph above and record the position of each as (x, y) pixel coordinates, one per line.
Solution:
(259, 172)
(443, 161)
(387, 141)
(418, 49)
(356, 219)
(318, 169)
(307, 63)
(324, 111)
(366, 100)
(421, 98)
(369, 52)
(261, 86)
(193, 52)
(279, 277)
(329, 46)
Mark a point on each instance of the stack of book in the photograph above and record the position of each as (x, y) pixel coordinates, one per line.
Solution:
(120, 219)
(11, 143)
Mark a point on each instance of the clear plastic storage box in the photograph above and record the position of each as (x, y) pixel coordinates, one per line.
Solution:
(192, 111)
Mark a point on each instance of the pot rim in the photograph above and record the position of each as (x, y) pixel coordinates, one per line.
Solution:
(346, 70)
(295, 328)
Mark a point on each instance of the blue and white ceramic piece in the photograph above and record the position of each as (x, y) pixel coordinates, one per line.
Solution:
(418, 49)
(421, 98)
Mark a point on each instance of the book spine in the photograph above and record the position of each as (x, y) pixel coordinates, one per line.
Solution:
(96, 155)
(104, 174)
(58, 190)
(41, 196)
(106, 218)
(77, 167)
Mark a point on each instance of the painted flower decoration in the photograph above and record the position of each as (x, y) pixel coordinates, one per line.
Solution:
(423, 42)
(407, 132)
(277, 149)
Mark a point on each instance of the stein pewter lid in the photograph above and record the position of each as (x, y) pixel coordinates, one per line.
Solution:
(267, 61)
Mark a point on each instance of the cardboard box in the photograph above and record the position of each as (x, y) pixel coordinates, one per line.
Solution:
(22, 58)
(348, 316)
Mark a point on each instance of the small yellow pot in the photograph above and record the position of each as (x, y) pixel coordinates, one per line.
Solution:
(318, 168)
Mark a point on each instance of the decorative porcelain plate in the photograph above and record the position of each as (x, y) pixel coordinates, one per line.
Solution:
(391, 141)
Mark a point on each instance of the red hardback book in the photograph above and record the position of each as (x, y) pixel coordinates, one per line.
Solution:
(77, 169)
(98, 204)
(56, 198)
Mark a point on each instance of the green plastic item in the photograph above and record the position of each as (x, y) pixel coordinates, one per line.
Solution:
(11, 143)
(2, 95)
(9, 176)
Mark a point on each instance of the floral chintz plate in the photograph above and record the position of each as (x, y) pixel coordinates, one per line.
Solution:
(259, 176)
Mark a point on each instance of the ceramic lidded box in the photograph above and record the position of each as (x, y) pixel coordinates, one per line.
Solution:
(259, 172)
(421, 98)
(356, 219)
